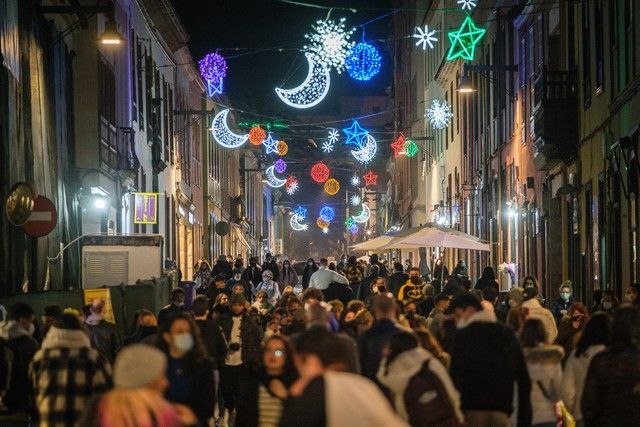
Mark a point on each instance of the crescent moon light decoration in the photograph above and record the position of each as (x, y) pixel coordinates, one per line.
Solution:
(272, 180)
(312, 91)
(363, 216)
(223, 135)
(367, 152)
(295, 223)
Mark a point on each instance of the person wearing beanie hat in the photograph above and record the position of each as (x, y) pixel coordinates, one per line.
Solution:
(137, 398)
(536, 310)
(244, 336)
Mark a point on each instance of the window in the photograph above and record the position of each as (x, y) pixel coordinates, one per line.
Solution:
(107, 115)
(586, 54)
(599, 36)
(139, 85)
(613, 36)
(134, 93)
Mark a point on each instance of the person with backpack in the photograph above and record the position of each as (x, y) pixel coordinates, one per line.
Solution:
(422, 391)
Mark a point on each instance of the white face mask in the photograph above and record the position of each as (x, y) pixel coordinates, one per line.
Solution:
(607, 305)
(31, 329)
(237, 277)
(183, 342)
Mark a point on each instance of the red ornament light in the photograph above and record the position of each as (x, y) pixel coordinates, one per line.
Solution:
(398, 145)
(257, 135)
(370, 178)
(320, 172)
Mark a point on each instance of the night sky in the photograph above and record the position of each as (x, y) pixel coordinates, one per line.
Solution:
(262, 41)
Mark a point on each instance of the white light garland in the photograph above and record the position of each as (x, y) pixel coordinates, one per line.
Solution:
(329, 43)
(439, 114)
(425, 37)
(223, 135)
(368, 151)
(312, 91)
(355, 200)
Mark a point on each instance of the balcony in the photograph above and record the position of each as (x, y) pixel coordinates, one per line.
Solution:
(554, 120)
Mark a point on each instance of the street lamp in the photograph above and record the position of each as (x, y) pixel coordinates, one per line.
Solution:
(110, 36)
(465, 85)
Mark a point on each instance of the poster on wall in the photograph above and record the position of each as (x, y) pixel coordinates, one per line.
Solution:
(145, 208)
(105, 295)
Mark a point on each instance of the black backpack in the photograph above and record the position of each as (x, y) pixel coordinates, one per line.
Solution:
(427, 401)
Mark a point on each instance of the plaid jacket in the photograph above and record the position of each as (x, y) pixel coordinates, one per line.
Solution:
(64, 379)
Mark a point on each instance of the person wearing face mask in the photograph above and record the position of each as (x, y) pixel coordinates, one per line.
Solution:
(288, 276)
(236, 280)
(17, 344)
(486, 355)
(189, 370)
(243, 335)
(253, 273)
(561, 306)
(269, 286)
(412, 289)
(309, 269)
(175, 307)
(271, 265)
(609, 302)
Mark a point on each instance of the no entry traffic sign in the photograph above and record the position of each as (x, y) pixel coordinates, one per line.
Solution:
(43, 218)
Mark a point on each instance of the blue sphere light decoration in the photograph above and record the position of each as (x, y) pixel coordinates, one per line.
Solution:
(363, 62)
(327, 213)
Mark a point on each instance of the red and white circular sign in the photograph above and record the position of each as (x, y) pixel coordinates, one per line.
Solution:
(43, 218)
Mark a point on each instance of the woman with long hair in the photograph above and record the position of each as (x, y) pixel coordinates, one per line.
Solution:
(429, 342)
(268, 388)
(288, 276)
(309, 269)
(595, 338)
(571, 326)
(189, 370)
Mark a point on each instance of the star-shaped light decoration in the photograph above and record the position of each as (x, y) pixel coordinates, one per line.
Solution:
(467, 4)
(327, 146)
(301, 212)
(355, 200)
(349, 223)
(333, 135)
(355, 181)
(411, 148)
(270, 145)
(370, 179)
(464, 40)
(398, 145)
(355, 134)
(425, 37)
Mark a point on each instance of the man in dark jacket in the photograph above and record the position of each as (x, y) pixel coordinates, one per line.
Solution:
(564, 302)
(382, 270)
(176, 306)
(612, 385)
(210, 332)
(486, 361)
(271, 265)
(17, 348)
(244, 336)
(397, 279)
(222, 267)
(253, 273)
(102, 334)
(372, 342)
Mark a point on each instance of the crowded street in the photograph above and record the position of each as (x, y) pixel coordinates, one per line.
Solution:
(341, 213)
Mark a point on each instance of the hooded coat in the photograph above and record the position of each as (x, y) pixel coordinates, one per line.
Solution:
(544, 364)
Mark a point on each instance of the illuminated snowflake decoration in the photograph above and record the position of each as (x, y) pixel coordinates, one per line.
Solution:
(467, 4)
(355, 181)
(292, 188)
(333, 135)
(355, 200)
(327, 146)
(439, 114)
(325, 230)
(425, 37)
(329, 43)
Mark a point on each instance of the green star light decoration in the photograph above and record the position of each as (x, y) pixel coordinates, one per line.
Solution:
(464, 40)
(350, 222)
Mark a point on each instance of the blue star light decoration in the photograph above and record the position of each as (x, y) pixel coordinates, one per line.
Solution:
(467, 4)
(270, 145)
(301, 212)
(327, 213)
(425, 37)
(327, 146)
(355, 181)
(439, 114)
(356, 135)
(355, 200)
(363, 62)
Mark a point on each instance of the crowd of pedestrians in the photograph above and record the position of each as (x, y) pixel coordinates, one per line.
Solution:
(351, 344)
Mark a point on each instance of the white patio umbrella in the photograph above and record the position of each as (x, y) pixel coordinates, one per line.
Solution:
(433, 235)
(386, 241)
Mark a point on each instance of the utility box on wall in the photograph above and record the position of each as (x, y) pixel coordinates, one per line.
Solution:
(115, 260)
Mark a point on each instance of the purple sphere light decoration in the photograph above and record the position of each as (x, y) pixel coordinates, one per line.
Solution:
(213, 68)
(280, 166)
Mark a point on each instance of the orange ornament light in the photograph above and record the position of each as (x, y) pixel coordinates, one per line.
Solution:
(332, 186)
(282, 148)
(257, 135)
(322, 223)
